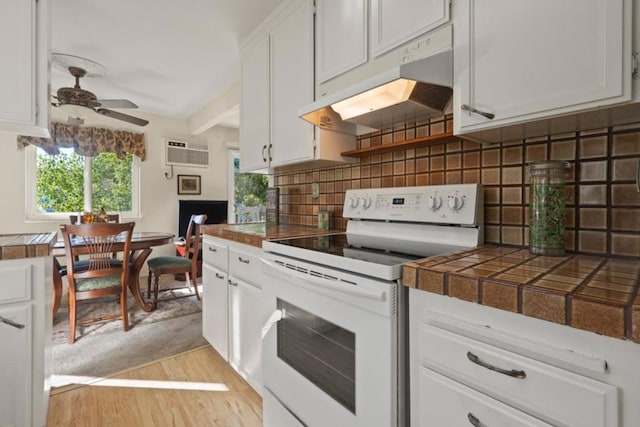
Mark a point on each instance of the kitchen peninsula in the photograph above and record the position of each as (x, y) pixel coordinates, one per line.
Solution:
(26, 268)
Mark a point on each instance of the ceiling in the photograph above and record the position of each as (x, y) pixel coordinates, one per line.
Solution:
(169, 57)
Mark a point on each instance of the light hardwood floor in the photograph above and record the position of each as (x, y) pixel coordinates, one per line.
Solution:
(127, 403)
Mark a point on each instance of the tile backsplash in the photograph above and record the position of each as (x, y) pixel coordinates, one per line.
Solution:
(603, 204)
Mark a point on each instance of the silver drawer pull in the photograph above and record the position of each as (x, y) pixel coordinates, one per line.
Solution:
(466, 107)
(212, 249)
(11, 323)
(510, 372)
(475, 422)
(246, 261)
(219, 276)
(232, 283)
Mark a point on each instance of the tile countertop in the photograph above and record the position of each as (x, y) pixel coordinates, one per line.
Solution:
(593, 293)
(254, 233)
(31, 245)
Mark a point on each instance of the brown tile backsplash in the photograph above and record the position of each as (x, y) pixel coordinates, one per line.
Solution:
(603, 205)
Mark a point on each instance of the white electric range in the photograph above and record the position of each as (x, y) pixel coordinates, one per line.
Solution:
(334, 346)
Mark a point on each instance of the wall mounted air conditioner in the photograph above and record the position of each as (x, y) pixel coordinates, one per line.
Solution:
(189, 154)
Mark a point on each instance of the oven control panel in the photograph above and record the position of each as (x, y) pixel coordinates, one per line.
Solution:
(449, 204)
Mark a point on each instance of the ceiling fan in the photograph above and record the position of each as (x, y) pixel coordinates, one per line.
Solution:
(80, 97)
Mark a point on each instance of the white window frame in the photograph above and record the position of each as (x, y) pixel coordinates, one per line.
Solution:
(231, 196)
(32, 214)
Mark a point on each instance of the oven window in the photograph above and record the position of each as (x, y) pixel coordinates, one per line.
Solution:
(322, 352)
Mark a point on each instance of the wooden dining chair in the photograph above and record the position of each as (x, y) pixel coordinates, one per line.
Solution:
(99, 275)
(187, 264)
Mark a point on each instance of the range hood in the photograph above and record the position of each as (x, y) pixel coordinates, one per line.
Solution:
(408, 92)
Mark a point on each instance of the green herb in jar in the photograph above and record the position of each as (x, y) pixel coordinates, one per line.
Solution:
(546, 219)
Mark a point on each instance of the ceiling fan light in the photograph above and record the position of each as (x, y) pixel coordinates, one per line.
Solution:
(75, 111)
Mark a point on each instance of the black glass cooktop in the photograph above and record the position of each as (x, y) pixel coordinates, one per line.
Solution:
(380, 251)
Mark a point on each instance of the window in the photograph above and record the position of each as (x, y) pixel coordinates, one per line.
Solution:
(248, 192)
(67, 183)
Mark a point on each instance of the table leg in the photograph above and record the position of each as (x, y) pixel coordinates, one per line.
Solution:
(57, 286)
(137, 261)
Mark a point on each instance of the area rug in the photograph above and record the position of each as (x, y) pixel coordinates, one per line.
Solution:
(104, 348)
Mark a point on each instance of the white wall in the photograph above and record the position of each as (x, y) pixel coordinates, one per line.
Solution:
(158, 195)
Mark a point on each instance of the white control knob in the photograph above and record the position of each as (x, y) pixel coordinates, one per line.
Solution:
(455, 203)
(434, 203)
(366, 202)
(353, 202)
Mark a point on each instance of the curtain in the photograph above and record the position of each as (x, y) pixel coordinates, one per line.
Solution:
(88, 141)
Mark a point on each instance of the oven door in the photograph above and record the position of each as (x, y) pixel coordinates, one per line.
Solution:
(329, 351)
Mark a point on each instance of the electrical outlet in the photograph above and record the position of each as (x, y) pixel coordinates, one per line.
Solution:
(315, 190)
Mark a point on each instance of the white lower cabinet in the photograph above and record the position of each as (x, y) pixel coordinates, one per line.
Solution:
(25, 337)
(475, 365)
(245, 327)
(231, 311)
(15, 365)
(214, 309)
(453, 404)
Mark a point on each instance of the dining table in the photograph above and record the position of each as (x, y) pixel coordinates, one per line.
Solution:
(140, 247)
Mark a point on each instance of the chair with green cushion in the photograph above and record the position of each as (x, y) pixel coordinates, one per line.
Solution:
(98, 274)
(187, 264)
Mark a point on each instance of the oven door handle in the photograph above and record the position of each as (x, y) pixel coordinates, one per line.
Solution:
(321, 283)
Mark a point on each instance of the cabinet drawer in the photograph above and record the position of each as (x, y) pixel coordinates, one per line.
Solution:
(449, 403)
(547, 392)
(245, 265)
(16, 284)
(214, 254)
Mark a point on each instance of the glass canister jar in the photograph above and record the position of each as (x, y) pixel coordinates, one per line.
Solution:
(547, 207)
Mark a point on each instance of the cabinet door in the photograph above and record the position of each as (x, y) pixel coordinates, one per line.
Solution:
(292, 86)
(245, 330)
(341, 37)
(443, 402)
(15, 366)
(254, 108)
(522, 60)
(24, 74)
(214, 309)
(394, 22)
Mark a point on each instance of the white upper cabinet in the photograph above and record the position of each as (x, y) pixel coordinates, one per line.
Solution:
(254, 107)
(291, 49)
(394, 22)
(341, 37)
(24, 73)
(277, 80)
(517, 61)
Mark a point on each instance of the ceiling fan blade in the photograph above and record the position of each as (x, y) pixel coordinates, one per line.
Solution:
(122, 116)
(116, 103)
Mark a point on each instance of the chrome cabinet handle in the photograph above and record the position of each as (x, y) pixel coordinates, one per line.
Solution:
(509, 372)
(212, 249)
(475, 422)
(232, 283)
(246, 261)
(269, 151)
(219, 276)
(470, 109)
(264, 148)
(11, 323)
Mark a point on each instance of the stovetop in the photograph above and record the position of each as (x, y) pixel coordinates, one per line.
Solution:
(392, 226)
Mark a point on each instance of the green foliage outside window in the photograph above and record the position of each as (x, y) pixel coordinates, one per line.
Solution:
(250, 188)
(111, 183)
(60, 182)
